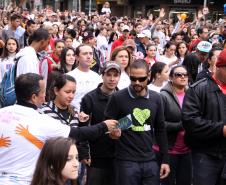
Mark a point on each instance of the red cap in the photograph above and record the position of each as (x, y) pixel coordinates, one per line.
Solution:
(221, 61)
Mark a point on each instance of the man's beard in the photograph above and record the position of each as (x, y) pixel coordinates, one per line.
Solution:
(138, 88)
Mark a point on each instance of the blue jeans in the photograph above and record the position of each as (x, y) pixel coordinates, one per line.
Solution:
(207, 170)
(137, 173)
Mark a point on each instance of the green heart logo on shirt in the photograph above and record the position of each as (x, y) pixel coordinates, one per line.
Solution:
(141, 115)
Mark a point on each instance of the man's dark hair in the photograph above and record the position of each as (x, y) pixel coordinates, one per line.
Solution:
(38, 35)
(71, 32)
(29, 23)
(26, 85)
(200, 30)
(140, 64)
(14, 17)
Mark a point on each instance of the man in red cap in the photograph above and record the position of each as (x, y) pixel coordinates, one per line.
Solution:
(204, 121)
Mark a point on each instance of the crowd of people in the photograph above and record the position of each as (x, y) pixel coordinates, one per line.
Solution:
(106, 100)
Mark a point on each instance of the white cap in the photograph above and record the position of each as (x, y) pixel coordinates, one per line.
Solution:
(144, 33)
(204, 46)
(125, 27)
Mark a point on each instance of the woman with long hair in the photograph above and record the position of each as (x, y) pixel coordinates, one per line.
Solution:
(67, 60)
(159, 76)
(181, 52)
(168, 56)
(57, 162)
(61, 93)
(122, 56)
(9, 53)
(113, 37)
(179, 154)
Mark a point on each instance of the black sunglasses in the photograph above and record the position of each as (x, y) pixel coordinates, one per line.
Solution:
(140, 79)
(180, 75)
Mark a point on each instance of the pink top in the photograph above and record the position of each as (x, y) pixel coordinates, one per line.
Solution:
(179, 146)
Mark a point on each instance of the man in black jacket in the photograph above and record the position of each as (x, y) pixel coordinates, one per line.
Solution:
(100, 171)
(135, 160)
(204, 120)
(194, 61)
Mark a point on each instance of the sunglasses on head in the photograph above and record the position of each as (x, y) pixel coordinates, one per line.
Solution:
(140, 79)
(180, 75)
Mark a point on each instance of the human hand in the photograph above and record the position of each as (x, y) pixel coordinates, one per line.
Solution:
(83, 117)
(5, 141)
(21, 130)
(164, 171)
(179, 17)
(162, 13)
(111, 124)
(115, 134)
(200, 15)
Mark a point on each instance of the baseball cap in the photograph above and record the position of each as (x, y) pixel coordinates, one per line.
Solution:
(125, 28)
(204, 46)
(144, 33)
(87, 35)
(111, 65)
(221, 60)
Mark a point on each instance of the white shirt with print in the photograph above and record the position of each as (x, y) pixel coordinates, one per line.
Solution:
(18, 154)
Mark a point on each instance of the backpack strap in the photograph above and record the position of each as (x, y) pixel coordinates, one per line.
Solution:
(16, 62)
(51, 59)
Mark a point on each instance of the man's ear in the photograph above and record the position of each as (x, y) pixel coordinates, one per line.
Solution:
(33, 98)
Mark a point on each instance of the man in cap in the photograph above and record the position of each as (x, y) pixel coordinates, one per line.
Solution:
(194, 61)
(100, 171)
(144, 40)
(98, 58)
(204, 121)
(122, 38)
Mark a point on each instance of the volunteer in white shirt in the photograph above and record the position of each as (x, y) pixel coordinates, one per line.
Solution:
(23, 131)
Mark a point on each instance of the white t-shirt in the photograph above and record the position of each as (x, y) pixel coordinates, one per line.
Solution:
(85, 82)
(29, 62)
(18, 159)
(167, 60)
(5, 65)
(156, 88)
(102, 45)
(124, 81)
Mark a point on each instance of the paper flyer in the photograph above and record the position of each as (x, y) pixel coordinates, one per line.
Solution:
(125, 122)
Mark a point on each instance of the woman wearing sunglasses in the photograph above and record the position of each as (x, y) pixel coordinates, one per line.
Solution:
(173, 95)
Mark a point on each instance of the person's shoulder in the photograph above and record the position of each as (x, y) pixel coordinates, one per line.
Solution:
(153, 93)
(73, 72)
(201, 82)
(94, 74)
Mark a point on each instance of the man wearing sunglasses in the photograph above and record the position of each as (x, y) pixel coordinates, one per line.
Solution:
(204, 121)
(135, 159)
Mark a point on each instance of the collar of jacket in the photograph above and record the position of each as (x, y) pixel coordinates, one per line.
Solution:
(27, 104)
(212, 86)
(101, 95)
(133, 94)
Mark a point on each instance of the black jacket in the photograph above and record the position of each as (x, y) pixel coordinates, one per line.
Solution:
(204, 116)
(102, 149)
(191, 62)
(172, 113)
